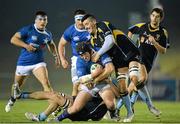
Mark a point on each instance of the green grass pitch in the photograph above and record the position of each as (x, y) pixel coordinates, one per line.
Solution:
(170, 112)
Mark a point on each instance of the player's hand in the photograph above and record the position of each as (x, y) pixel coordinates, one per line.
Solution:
(57, 61)
(89, 85)
(95, 57)
(151, 39)
(85, 79)
(64, 63)
(30, 48)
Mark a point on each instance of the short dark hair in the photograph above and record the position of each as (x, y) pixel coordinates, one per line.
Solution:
(79, 11)
(42, 13)
(88, 16)
(82, 47)
(158, 10)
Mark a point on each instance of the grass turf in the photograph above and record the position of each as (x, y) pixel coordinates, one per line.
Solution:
(170, 112)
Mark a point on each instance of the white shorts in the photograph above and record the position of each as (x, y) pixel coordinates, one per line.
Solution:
(26, 70)
(74, 76)
(96, 90)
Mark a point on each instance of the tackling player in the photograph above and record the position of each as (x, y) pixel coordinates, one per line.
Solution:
(105, 38)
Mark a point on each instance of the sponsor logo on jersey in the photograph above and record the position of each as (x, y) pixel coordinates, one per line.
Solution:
(34, 38)
(76, 38)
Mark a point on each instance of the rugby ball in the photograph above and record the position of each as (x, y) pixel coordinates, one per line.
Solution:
(94, 66)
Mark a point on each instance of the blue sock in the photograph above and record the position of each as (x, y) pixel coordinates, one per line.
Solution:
(144, 94)
(127, 103)
(119, 104)
(134, 97)
(42, 116)
(24, 95)
(63, 116)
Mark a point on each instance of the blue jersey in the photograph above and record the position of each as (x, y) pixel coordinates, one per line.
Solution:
(74, 35)
(83, 67)
(38, 39)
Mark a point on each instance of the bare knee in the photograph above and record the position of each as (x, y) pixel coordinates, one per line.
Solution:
(110, 104)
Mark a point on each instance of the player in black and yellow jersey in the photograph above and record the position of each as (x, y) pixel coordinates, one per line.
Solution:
(105, 38)
(153, 39)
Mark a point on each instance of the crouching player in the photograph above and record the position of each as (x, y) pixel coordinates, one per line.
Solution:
(89, 89)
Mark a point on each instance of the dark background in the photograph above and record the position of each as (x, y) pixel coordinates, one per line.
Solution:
(16, 14)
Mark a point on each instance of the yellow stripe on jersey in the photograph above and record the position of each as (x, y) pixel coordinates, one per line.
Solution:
(165, 32)
(100, 30)
(117, 32)
(140, 24)
(107, 23)
(92, 41)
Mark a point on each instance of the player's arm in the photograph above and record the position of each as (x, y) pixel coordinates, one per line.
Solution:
(16, 40)
(53, 50)
(61, 50)
(109, 68)
(82, 74)
(130, 34)
(159, 48)
(108, 44)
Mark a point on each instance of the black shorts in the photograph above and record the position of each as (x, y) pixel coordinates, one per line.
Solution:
(93, 110)
(119, 60)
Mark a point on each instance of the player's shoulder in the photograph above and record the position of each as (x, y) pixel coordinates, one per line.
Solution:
(139, 25)
(28, 27)
(49, 32)
(80, 61)
(164, 30)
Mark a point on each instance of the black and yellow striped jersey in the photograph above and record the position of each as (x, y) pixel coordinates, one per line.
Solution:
(147, 49)
(122, 42)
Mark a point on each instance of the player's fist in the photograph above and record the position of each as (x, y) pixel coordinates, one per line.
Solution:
(30, 48)
(64, 63)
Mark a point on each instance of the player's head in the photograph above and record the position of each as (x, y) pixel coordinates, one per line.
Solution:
(84, 50)
(89, 21)
(156, 16)
(41, 20)
(78, 15)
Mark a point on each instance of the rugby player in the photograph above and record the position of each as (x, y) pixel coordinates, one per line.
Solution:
(33, 39)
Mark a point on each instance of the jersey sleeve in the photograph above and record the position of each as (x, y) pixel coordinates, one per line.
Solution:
(67, 34)
(104, 27)
(104, 59)
(50, 38)
(135, 28)
(165, 39)
(24, 32)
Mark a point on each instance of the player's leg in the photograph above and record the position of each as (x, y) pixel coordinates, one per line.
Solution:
(43, 115)
(109, 99)
(144, 94)
(122, 77)
(15, 92)
(80, 101)
(133, 75)
(55, 100)
(74, 76)
(41, 73)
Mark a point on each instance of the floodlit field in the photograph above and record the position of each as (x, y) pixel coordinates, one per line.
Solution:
(170, 112)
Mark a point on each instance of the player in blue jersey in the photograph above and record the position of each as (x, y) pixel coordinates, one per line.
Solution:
(88, 88)
(74, 34)
(32, 39)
